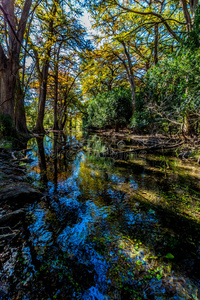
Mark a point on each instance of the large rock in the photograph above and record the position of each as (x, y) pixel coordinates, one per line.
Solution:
(20, 192)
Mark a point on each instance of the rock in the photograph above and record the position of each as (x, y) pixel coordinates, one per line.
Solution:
(20, 192)
(7, 171)
(15, 178)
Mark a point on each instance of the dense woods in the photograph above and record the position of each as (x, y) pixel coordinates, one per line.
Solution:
(54, 69)
(99, 149)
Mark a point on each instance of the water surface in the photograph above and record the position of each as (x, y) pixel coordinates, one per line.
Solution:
(109, 227)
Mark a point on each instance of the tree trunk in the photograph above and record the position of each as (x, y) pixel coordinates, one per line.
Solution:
(156, 44)
(55, 126)
(64, 122)
(20, 117)
(8, 80)
(131, 77)
(70, 124)
(9, 65)
(133, 99)
(44, 76)
(190, 124)
(56, 67)
(42, 98)
(193, 7)
(187, 15)
(116, 126)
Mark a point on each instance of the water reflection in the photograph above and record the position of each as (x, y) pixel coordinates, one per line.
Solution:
(111, 229)
(42, 160)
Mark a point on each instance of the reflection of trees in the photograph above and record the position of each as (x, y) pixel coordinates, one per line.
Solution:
(135, 211)
(42, 161)
(58, 160)
(55, 162)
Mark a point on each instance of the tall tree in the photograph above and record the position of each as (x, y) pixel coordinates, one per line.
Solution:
(10, 51)
(59, 31)
(43, 71)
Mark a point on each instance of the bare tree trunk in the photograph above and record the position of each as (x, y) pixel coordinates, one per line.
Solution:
(9, 66)
(156, 44)
(187, 15)
(131, 77)
(70, 124)
(42, 98)
(193, 6)
(56, 66)
(55, 106)
(44, 77)
(8, 81)
(20, 117)
(63, 122)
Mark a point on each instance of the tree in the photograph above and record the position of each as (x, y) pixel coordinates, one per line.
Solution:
(102, 71)
(60, 33)
(171, 92)
(10, 49)
(110, 109)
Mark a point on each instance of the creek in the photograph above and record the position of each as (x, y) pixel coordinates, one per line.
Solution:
(125, 228)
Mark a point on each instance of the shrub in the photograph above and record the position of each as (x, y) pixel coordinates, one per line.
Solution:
(109, 109)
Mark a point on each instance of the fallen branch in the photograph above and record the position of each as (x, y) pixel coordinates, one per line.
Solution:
(112, 153)
(157, 147)
(12, 215)
(3, 236)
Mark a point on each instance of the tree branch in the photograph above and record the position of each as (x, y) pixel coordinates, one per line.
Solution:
(170, 30)
(22, 22)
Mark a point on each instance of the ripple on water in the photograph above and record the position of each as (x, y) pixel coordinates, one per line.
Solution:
(93, 294)
(72, 238)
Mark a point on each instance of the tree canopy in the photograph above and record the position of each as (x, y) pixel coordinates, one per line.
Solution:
(51, 64)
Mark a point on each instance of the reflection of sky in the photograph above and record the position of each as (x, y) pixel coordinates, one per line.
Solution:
(41, 237)
(81, 219)
(70, 184)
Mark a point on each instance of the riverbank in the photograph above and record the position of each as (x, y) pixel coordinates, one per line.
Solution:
(125, 142)
(16, 193)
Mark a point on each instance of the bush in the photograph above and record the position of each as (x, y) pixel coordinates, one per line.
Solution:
(170, 93)
(109, 109)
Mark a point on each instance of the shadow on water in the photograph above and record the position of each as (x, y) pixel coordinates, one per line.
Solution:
(108, 229)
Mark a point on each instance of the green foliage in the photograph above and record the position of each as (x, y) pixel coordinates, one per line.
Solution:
(6, 126)
(169, 255)
(31, 114)
(143, 118)
(192, 40)
(170, 92)
(109, 109)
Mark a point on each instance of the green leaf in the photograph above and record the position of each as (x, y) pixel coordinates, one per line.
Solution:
(169, 255)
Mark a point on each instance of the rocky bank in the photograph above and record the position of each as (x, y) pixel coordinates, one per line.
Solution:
(16, 193)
